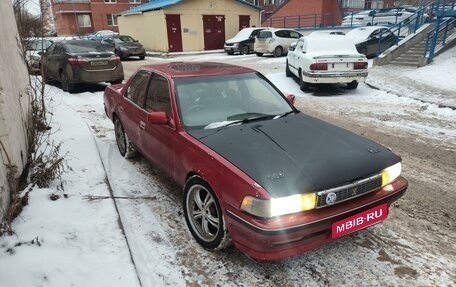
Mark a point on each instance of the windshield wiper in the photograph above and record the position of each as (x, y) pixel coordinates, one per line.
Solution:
(283, 115)
(237, 122)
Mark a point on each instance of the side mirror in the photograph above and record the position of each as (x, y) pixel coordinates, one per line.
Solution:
(291, 99)
(291, 48)
(158, 118)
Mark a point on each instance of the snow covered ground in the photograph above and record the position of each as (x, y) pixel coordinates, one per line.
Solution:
(78, 240)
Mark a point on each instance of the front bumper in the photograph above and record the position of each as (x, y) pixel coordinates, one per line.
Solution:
(278, 238)
(334, 78)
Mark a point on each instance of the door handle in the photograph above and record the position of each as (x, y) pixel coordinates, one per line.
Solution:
(142, 125)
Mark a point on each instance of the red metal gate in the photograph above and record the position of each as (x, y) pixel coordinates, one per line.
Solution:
(244, 21)
(214, 31)
(173, 25)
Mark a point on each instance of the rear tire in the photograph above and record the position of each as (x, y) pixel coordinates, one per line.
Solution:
(302, 85)
(65, 81)
(203, 215)
(353, 85)
(142, 57)
(126, 148)
(278, 51)
(230, 53)
(259, 54)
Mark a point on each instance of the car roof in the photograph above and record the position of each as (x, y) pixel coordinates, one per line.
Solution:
(196, 69)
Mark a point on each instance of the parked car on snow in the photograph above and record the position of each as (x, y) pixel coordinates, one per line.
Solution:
(373, 40)
(361, 18)
(34, 48)
(125, 46)
(252, 166)
(326, 60)
(319, 33)
(81, 61)
(243, 42)
(100, 35)
(275, 41)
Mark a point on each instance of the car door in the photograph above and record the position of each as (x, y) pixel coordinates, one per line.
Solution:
(158, 140)
(295, 57)
(131, 111)
(373, 42)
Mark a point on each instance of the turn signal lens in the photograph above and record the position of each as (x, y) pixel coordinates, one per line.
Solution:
(319, 66)
(391, 173)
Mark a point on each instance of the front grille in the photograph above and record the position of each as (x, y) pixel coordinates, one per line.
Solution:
(349, 191)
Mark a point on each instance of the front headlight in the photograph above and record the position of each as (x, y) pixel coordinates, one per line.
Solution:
(390, 174)
(279, 206)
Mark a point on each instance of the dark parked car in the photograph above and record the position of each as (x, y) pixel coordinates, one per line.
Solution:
(372, 40)
(243, 42)
(81, 61)
(252, 167)
(125, 46)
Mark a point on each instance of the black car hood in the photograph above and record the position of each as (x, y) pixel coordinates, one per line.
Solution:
(297, 153)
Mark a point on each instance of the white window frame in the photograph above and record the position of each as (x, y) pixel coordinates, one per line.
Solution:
(135, 1)
(110, 1)
(113, 19)
(85, 22)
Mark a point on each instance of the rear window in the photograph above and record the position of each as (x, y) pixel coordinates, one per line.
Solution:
(87, 46)
(264, 34)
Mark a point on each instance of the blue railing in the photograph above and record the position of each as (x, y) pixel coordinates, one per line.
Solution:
(437, 36)
(443, 14)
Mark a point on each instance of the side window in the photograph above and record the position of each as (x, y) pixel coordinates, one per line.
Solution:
(158, 95)
(254, 33)
(294, 35)
(136, 91)
(281, 34)
(300, 46)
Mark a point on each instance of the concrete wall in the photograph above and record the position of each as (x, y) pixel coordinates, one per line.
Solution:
(150, 27)
(14, 102)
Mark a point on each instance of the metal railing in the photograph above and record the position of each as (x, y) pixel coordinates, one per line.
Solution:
(311, 20)
(438, 36)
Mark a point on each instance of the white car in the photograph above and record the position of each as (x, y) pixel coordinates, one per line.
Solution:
(275, 41)
(362, 18)
(326, 60)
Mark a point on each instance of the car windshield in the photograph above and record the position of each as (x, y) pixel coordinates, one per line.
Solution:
(88, 46)
(223, 100)
(124, 39)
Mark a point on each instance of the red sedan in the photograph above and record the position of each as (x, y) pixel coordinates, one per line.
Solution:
(254, 169)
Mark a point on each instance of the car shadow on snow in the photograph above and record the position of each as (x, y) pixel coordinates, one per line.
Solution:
(327, 90)
(84, 87)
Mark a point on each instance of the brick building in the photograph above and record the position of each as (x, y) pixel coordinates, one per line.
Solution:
(78, 17)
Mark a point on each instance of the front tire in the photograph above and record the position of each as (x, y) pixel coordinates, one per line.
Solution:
(203, 214)
(287, 70)
(124, 144)
(259, 54)
(244, 50)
